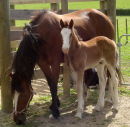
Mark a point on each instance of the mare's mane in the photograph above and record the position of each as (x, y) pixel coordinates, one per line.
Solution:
(27, 55)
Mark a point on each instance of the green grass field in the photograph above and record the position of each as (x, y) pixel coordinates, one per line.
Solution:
(77, 5)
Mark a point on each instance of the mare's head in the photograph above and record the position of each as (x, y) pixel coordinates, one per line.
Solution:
(22, 97)
(66, 34)
(23, 67)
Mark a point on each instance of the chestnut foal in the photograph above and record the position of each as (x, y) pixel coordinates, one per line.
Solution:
(80, 56)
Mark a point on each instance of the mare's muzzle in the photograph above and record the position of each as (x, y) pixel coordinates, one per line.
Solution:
(19, 119)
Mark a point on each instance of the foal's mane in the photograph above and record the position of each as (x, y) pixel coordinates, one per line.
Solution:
(27, 55)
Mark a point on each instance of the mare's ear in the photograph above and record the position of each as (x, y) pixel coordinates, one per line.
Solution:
(71, 24)
(61, 23)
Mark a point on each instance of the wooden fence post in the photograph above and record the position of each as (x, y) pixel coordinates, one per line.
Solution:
(66, 77)
(12, 23)
(5, 56)
(111, 12)
(102, 7)
(55, 6)
(64, 6)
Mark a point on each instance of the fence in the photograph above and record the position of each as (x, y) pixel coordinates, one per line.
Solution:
(123, 48)
(106, 6)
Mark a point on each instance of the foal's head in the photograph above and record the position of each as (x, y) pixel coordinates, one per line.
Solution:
(21, 99)
(66, 34)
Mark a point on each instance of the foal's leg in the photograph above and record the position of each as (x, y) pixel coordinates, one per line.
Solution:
(102, 84)
(79, 90)
(109, 97)
(114, 84)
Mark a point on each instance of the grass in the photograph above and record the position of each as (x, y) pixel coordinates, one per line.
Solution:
(124, 91)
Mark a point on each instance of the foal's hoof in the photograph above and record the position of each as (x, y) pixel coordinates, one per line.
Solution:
(108, 100)
(78, 115)
(114, 107)
(98, 108)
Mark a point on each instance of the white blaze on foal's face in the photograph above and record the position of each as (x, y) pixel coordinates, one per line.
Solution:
(66, 32)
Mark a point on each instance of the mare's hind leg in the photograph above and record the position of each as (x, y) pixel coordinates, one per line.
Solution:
(114, 84)
(52, 82)
(87, 78)
(85, 93)
(79, 90)
(102, 84)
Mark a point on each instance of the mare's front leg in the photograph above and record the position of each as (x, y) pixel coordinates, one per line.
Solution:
(55, 70)
(102, 84)
(79, 90)
(52, 82)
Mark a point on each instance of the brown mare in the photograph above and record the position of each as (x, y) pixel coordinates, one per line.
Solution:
(82, 55)
(42, 44)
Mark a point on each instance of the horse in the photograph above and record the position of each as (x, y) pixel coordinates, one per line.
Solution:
(41, 44)
(98, 52)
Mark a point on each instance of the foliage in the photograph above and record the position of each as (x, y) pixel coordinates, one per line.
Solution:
(122, 11)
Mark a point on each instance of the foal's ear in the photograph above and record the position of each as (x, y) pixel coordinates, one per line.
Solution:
(61, 23)
(71, 24)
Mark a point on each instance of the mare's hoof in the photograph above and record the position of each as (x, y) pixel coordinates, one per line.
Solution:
(52, 119)
(51, 116)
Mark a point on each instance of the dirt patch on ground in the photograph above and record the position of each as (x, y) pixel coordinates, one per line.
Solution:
(39, 118)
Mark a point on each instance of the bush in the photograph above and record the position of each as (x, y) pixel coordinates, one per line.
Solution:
(123, 11)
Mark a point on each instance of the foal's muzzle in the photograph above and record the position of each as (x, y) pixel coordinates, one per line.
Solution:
(65, 50)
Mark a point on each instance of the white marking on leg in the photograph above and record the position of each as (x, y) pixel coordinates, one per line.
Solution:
(80, 107)
(100, 72)
(51, 116)
(115, 87)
